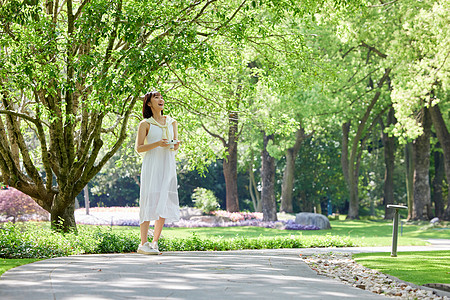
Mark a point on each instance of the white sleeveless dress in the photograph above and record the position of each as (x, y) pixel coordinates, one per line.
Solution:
(159, 187)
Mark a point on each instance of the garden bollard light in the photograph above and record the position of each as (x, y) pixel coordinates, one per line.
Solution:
(395, 228)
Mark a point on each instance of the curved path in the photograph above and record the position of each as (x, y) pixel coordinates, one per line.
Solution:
(248, 274)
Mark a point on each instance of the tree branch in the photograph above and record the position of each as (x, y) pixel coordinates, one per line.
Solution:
(90, 170)
(18, 137)
(215, 135)
(348, 51)
(80, 9)
(232, 17)
(20, 115)
(383, 4)
(363, 44)
(111, 129)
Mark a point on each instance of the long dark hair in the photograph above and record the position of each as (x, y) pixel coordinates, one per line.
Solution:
(147, 110)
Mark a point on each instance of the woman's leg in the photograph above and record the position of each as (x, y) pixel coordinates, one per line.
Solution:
(159, 224)
(144, 231)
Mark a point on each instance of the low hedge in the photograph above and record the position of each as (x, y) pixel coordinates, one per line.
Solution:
(34, 241)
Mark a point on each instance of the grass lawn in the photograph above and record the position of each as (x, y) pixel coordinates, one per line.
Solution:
(363, 232)
(416, 267)
(6, 264)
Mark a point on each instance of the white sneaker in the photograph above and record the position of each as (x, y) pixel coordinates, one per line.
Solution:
(154, 245)
(148, 249)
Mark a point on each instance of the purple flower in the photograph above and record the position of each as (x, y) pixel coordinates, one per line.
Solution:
(123, 216)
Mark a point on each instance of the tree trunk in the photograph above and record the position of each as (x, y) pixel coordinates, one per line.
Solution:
(421, 155)
(87, 203)
(269, 206)
(351, 174)
(444, 138)
(353, 208)
(230, 174)
(303, 203)
(288, 176)
(351, 159)
(439, 176)
(254, 193)
(230, 165)
(409, 175)
(389, 162)
(63, 217)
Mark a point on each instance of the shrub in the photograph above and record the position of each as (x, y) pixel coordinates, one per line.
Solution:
(194, 243)
(19, 206)
(205, 200)
(39, 241)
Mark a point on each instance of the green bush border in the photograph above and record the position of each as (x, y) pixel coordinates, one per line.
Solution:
(35, 241)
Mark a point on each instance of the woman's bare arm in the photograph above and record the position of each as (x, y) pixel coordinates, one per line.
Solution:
(175, 135)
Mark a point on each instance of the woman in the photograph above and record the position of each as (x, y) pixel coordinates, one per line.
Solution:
(158, 196)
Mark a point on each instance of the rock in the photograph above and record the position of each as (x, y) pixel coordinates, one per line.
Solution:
(439, 286)
(342, 267)
(434, 220)
(187, 213)
(318, 220)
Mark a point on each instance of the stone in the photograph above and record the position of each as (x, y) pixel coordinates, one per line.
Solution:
(305, 218)
(376, 282)
(187, 213)
(434, 220)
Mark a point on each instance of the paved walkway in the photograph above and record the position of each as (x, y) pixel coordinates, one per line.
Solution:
(248, 274)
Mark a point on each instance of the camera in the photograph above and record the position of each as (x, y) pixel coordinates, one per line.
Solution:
(172, 143)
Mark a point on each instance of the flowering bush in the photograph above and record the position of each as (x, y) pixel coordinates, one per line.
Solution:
(238, 216)
(288, 225)
(129, 216)
(20, 207)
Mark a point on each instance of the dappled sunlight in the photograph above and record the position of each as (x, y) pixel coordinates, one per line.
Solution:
(179, 275)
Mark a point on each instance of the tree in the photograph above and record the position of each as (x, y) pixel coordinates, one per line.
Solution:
(352, 146)
(444, 138)
(287, 186)
(421, 156)
(318, 173)
(421, 55)
(409, 177)
(72, 73)
(360, 92)
(269, 207)
(389, 144)
(438, 182)
(225, 91)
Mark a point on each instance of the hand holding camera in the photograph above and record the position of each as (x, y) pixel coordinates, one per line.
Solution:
(172, 144)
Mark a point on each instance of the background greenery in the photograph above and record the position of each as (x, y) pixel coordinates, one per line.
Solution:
(331, 70)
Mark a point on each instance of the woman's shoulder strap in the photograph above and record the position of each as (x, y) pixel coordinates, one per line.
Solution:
(170, 120)
(146, 121)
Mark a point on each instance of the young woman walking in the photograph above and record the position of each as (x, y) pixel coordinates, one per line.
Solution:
(157, 141)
